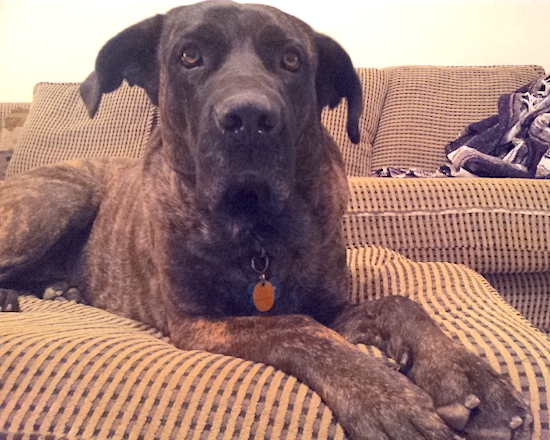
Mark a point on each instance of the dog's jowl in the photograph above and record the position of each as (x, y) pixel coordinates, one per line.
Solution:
(227, 235)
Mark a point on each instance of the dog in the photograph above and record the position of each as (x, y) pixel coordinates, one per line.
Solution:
(227, 235)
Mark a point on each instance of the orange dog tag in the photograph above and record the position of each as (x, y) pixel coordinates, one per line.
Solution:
(264, 296)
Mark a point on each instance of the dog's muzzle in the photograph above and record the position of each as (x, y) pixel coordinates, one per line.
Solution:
(251, 135)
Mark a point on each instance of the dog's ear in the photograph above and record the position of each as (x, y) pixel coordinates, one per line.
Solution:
(130, 55)
(337, 79)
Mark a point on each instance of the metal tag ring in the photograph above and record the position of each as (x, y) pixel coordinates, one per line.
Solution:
(256, 263)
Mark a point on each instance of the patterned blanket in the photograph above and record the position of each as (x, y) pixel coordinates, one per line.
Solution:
(513, 143)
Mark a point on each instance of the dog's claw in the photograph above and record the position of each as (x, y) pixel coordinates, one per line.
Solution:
(516, 422)
(471, 401)
(61, 291)
(455, 415)
(8, 301)
(73, 294)
(404, 361)
(55, 290)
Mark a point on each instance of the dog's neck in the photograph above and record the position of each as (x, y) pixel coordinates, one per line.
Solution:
(230, 254)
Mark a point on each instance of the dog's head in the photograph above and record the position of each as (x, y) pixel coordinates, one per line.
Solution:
(239, 87)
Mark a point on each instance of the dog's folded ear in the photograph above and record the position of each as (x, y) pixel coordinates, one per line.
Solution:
(337, 79)
(130, 55)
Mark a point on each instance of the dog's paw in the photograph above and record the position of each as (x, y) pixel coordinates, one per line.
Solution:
(405, 414)
(378, 403)
(470, 396)
(8, 300)
(62, 291)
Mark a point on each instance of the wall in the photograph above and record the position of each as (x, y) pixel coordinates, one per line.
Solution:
(57, 40)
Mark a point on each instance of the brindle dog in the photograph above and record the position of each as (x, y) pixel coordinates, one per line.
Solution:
(227, 235)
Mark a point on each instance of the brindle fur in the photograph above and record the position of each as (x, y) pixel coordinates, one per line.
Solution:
(241, 163)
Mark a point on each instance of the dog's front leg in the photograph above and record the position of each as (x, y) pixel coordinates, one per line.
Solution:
(370, 400)
(468, 394)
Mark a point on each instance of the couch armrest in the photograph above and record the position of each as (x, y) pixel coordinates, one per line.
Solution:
(490, 225)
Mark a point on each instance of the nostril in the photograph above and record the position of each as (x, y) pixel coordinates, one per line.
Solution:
(232, 122)
(266, 124)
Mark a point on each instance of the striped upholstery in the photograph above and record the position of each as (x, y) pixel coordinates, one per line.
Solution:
(526, 292)
(491, 225)
(426, 107)
(59, 128)
(498, 227)
(76, 372)
(357, 158)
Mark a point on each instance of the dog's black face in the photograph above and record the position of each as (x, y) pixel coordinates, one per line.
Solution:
(238, 87)
(248, 80)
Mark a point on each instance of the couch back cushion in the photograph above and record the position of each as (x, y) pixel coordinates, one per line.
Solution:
(58, 126)
(426, 107)
(357, 158)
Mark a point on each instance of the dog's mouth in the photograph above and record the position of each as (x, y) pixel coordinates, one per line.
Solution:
(251, 201)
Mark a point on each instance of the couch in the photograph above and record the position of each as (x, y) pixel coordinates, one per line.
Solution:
(474, 252)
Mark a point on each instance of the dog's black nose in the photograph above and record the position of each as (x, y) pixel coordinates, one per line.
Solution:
(248, 116)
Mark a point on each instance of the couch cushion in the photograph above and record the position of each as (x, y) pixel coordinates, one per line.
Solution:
(490, 225)
(426, 107)
(58, 127)
(357, 158)
(527, 293)
(74, 372)
(79, 373)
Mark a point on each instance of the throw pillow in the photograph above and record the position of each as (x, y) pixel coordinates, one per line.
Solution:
(58, 126)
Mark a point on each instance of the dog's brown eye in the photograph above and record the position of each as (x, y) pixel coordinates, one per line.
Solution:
(291, 61)
(191, 57)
